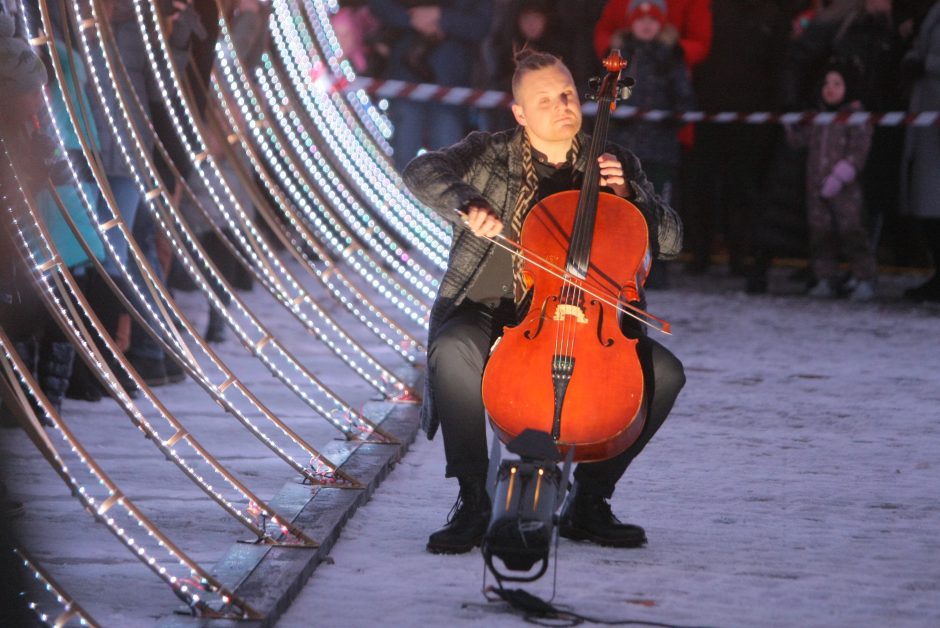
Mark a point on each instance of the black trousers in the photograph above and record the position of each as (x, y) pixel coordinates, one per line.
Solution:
(456, 360)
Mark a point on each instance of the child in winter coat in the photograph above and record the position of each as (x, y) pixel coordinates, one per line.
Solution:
(662, 83)
(837, 154)
(657, 65)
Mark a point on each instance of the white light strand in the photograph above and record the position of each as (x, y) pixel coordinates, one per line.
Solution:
(70, 608)
(366, 228)
(384, 374)
(368, 172)
(352, 299)
(368, 116)
(115, 497)
(382, 172)
(289, 45)
(197, 373)
(379, 374)
(387, 179)
(360, 426)
(43, 273)
(377, 277)
(256, 122)
(392, 202)
(334, 246)
(256, 346)
(355, 256)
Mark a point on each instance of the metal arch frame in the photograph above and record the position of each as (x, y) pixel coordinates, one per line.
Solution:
(206, 349)
(156, 288)
(75, 329)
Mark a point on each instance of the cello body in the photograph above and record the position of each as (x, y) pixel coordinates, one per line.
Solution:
(566, 368)
(603, 408)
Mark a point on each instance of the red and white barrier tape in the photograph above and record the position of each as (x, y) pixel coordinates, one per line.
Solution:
(490, 99)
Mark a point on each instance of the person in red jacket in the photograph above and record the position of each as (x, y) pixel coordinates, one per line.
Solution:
(691, 18)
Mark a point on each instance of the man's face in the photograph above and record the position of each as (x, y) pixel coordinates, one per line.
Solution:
(547, 104)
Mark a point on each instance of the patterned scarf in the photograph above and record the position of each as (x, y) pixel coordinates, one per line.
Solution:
(524, 204)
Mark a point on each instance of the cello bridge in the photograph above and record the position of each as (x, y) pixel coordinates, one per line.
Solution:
(565, 310)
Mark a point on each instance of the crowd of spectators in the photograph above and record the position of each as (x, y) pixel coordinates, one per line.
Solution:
(743, 189)
(30, 132)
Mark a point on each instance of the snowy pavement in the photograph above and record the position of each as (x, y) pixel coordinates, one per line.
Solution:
(796, 483)
(87, 561)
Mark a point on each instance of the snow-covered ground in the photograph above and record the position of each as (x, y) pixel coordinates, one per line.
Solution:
(796, 483)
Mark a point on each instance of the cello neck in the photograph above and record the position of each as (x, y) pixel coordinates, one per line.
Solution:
(579, 252)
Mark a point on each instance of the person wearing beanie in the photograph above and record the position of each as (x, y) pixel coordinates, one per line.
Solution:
(645, 20)
(836, 156)
(656, 63)
(691, 19)
(655, 9)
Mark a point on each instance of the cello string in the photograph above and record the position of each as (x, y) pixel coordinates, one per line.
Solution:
(642, 316)
(584, 225)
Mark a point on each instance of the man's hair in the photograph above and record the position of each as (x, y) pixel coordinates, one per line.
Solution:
(528, 60)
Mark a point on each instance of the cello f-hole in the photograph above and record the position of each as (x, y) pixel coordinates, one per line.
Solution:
(600, 325)
(530, 335)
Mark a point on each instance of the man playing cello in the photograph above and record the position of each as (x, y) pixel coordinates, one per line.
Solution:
(493, 180)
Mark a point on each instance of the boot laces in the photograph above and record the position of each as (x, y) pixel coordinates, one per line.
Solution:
(462, 507)
(602, 506)
(455, 509)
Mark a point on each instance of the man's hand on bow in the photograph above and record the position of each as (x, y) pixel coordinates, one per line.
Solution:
(481, 219)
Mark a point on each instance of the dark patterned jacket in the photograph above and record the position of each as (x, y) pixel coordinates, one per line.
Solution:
(488, 166)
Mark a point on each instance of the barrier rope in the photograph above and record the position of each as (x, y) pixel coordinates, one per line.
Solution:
(492, 99)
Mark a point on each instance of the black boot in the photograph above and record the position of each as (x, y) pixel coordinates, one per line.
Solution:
(928, 291)
(82, 384)
(467, 521)
(28, 350)
(151, 370)
(215, 331)
(174, 372)
(588, 517)
(55, 370)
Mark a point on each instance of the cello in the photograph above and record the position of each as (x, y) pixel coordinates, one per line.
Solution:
(566, 368)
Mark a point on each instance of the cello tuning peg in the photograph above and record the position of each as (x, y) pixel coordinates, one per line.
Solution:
(594, 84)
(625, 88)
